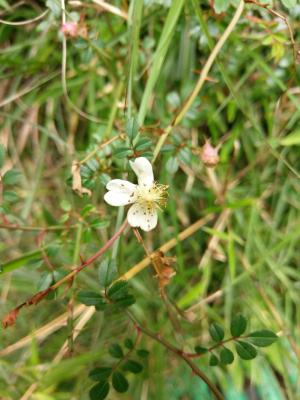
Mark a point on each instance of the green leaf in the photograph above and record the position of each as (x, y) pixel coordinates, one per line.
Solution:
(122, 152)
(129, 343)
(11, 177)
(262, 338)
(101, 373)
(291, 139)
(118, 290)
(142, 353)
(65, 205)
(45, 281)
(107, 272)
(90, 298)
(133, 366)
(115, 350)
(99, 391)
(119, 382)
(143, 144)
(100, 223)
(289, 3)
(2, 155)
(226, 356)
(54, 7)
(10, 196)
(221, 5)
(172, 165)
(245, 350)
(125, 301)
(213, 361)
(200, 350)
(131, 128)
(238, 325)
(216, 332)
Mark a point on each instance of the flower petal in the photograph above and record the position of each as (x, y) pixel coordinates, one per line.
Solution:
(120, 192)
(143, 170)
(115, 198)
(142, 216)
(121, 186)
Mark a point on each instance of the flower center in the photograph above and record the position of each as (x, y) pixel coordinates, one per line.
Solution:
(154, 195)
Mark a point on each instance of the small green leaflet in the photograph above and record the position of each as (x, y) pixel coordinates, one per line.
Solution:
(289, 3)
(238, 325)
(133, 366)
(107, 272)
(101, 373)
(221, 5)
(262, 338)
(115, 350)
(216, 332)
(119, 382)
(226, 356)
(245, 350)
(99, 391)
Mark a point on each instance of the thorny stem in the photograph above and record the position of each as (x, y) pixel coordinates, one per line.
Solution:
(92, 258)
(40, 295)
(179, 353)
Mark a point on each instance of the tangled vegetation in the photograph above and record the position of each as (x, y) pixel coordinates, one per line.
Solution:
(188, 112)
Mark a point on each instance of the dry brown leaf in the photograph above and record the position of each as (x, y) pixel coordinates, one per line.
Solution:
(163, 266)
(10, 318)
(77, 185)
(38, 297)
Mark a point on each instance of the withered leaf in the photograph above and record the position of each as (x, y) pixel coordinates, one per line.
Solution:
(10, 318)
(76, 184)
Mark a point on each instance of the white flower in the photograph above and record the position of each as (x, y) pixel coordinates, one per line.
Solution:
(145, 197)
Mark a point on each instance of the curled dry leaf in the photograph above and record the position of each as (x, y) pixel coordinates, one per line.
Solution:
(163, 266)
(38, 297)
(76, 185)
(10, 318)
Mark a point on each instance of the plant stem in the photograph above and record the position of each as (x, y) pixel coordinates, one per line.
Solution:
(215, 346)
(179, 353)
(36, 298)
(37, 228)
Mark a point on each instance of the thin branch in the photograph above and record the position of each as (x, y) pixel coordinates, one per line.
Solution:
(179, 353)
(26, 22)
(10, 318)
(36, 228)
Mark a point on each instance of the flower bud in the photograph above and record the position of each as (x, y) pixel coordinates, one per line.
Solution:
(209, 155)
(70, 29)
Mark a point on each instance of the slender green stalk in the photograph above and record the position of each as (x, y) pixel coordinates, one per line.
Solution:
(204, 73)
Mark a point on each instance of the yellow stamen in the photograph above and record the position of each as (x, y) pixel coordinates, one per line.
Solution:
(152, 196)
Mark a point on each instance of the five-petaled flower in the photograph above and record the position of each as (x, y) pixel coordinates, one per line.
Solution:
(146, 197)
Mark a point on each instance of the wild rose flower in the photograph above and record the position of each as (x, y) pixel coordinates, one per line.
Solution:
(146, 197)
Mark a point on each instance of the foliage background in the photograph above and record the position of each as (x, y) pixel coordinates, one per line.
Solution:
(244, 259)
